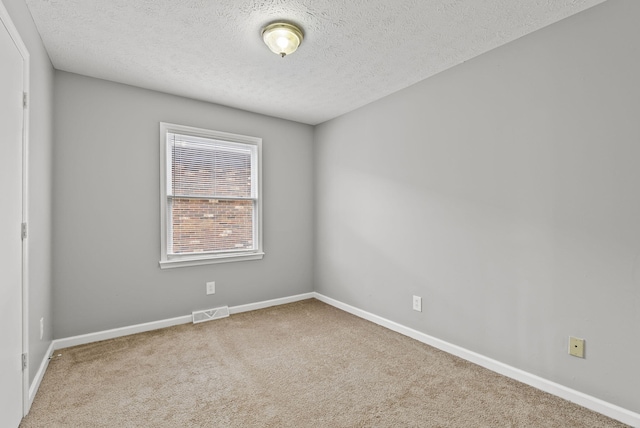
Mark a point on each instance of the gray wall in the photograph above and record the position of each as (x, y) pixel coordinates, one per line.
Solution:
(504, 192)
(39, 179)
(106, 210)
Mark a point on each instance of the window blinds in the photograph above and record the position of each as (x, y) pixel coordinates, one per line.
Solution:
(208, 168)
(212, 193)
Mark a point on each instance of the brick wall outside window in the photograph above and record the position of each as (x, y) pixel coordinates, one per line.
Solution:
(212, 225)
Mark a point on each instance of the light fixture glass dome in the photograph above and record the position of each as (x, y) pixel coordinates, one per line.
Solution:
(283, 39)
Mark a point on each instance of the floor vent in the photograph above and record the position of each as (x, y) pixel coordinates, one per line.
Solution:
(210, 314)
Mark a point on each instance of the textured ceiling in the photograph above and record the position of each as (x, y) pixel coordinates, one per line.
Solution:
(354, 51)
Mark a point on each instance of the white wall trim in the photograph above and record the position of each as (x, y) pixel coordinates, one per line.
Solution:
(37, 380)
(592, 403)
(168, 260)
(155, 325)
(83, 339)
(269, 303)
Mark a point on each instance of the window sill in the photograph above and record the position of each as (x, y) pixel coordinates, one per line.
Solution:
(196, 261)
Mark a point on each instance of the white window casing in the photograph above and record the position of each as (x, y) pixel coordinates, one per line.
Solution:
(210, 196)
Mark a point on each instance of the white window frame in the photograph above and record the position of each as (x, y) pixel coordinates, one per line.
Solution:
(177, 260)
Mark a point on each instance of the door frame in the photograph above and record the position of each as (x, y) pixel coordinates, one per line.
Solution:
(22, 49)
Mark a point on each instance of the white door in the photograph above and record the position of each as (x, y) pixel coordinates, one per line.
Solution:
(11, 121)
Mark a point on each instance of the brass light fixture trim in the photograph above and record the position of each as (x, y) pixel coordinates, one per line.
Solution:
(282, 38)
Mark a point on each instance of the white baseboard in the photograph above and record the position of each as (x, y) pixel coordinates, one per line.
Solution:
(592, 403)
(595, 404)
(269, 303)
(155, 325)
(119, 332)
(37, 380)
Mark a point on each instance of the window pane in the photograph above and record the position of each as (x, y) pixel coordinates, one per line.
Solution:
(204, 225)
(207, 168)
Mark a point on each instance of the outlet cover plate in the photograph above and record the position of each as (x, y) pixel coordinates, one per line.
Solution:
(576, 347)
(417, 303)
(211, 287)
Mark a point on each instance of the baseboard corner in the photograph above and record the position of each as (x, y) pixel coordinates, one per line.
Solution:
(37, 380)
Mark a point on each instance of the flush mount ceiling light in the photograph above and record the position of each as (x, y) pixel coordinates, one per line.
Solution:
(283, 39)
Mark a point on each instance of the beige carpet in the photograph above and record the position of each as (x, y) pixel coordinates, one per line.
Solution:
(305, 364)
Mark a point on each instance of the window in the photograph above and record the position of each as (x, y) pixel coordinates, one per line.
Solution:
(211, 196)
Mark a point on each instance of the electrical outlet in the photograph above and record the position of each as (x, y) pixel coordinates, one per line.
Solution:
(41, 328)
(417, 303)
(211, 287)
(576, 347)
